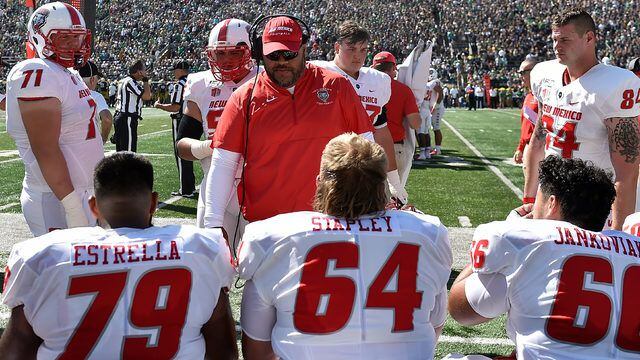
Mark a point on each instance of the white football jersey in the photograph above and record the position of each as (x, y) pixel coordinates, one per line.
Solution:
(79, 140)
(574, 113)
(632, 224)
(211, 96)
(349, 289)
(430, 99)
(372, 86)
(570, 292)
(133, 293)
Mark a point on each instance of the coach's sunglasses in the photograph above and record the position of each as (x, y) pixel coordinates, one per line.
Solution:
(286, 54)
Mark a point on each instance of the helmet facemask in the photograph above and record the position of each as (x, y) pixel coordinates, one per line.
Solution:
(68, 47)
(229, 63)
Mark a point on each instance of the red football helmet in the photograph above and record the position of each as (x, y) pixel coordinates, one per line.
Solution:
(58, 32)
(229, 50)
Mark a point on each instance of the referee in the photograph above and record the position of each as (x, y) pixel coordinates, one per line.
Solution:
(129, 107)
(185, 167)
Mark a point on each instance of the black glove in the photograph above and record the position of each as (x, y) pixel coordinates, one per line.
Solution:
(145, 79)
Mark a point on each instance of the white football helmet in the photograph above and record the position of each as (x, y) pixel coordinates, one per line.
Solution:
(229, 50)
(433, 74)
(58, 32)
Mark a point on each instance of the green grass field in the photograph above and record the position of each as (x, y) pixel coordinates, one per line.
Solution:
(456, 184)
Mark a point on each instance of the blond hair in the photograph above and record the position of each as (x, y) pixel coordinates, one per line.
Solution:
(352, 177)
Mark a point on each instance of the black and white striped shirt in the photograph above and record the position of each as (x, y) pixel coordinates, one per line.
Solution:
(177, 97)
(129, 96)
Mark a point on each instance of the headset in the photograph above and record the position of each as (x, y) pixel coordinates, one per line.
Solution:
(256, 37)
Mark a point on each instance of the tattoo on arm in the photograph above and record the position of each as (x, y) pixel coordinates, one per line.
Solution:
(541, 132)
(624, 138)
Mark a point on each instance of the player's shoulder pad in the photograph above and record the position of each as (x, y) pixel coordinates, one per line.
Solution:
(48, 250)
(496, 246)
(430, 229)
(261, 237)
(549, 68)
(613, 77)
(616, 91)
(197, 241)
(376, 76)
(48, 68)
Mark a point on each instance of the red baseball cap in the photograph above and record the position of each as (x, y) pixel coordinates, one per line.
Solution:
(384, 56)
(281, 33)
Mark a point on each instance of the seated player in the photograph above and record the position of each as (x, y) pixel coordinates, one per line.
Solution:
(349, 281)
(570, 291)
(129, 290)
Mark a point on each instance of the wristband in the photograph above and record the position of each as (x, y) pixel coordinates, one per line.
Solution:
(201, 149)
(74, 211)
(528, 200)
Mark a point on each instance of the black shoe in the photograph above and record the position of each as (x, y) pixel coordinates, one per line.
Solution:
(112, 139)
(189, 196)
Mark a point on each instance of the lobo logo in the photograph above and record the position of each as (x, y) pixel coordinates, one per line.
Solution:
(323, 95)
(39, 19)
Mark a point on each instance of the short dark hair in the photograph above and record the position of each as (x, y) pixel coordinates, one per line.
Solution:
(384, 66)
(136, 66)
(352, 33)
(123, 174)
(585, 192)
(577, 16)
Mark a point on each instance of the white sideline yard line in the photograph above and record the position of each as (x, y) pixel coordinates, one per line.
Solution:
(7, 206)
(490, 165)
(173, 199)
(475, 340)
(10, 160)
(505, 112)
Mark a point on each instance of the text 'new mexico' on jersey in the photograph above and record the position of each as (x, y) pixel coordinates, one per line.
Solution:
(349, 288)
(124, 293)
(571, 293)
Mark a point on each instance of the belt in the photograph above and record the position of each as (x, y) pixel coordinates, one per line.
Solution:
(401, 142)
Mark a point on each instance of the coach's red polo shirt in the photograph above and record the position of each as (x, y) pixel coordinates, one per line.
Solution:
(401, 104)
(287, 133)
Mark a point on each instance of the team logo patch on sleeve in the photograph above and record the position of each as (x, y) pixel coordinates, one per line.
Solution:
(323, 95)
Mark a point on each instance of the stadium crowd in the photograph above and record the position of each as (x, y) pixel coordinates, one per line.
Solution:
(473, 38)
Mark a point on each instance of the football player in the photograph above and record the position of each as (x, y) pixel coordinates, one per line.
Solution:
(206, 93)
(431, 111)
(90, 75)
(372, 86)
(349, 281)
(128, 290)
(587, 110)
(569, 291)
(51, 116)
